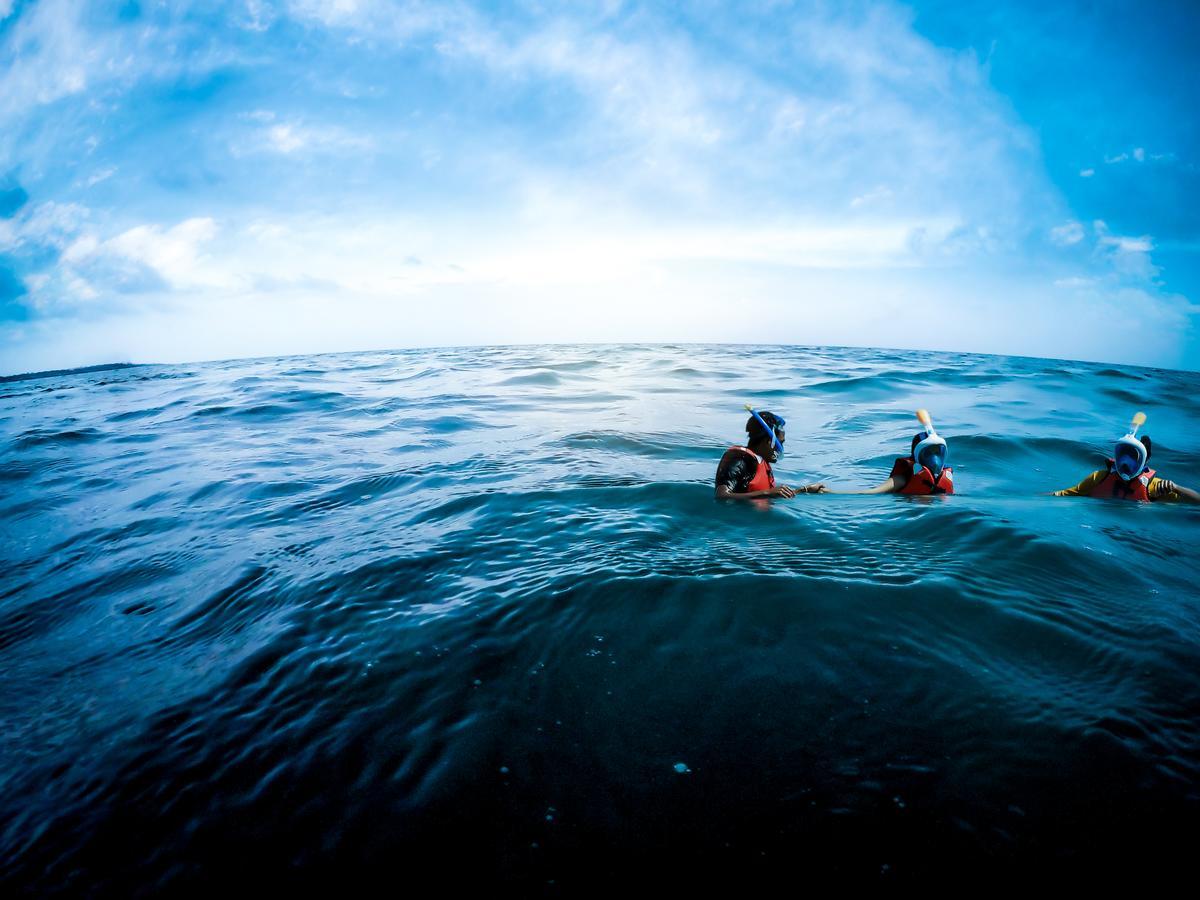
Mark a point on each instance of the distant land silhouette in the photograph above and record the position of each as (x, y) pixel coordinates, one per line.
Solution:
(103, 367)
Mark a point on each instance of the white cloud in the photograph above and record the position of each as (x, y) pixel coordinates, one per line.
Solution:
(259, 16)
(383, 17)
(790, 118)
(1128, 256)
(872, 196)
(52, 56)
(661, 114)
(1086, 173)
(81, 249)
(1068, 234)
(58, 52)
(49, 225)
(1106, 238)
(296, 138)
(1139, 155)
(99, 176)
(1141, 244)
(145, 259)
(285, 138)
(174, 253)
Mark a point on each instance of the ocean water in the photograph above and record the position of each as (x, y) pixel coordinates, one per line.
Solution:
(473, 616)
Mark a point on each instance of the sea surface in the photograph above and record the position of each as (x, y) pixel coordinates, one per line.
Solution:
(474, 617)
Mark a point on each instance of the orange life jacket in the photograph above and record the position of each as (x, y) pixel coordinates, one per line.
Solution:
(1115, 486)
(764, 478)
(923, 482)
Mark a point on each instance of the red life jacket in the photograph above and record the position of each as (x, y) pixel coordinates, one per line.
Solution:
(764, 478)
(923, 482)
(1115, 486)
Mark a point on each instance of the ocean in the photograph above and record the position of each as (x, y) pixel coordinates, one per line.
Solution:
(474, 617)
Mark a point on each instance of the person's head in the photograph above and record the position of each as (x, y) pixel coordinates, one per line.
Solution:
(762, 440)
(1131, 455)
(928, 451)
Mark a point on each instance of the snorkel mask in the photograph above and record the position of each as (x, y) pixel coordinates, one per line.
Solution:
(1129, 455)
(930, 451)
(777, 433)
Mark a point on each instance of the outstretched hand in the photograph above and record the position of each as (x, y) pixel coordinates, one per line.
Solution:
(783, 490)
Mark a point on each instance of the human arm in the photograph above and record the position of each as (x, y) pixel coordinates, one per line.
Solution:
(1083, 488)
(1162, 489)
(1187, 494)
(897, 478)
(724, 492)
(893, 484)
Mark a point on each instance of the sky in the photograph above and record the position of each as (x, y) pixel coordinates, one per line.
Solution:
(186, 181)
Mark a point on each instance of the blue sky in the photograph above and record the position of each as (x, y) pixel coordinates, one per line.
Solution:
(183, 181)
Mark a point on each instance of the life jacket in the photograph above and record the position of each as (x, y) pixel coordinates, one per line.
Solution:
(764, 478)
(923, 482)
(1115, 486)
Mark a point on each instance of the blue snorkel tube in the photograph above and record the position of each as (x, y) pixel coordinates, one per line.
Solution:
(768, 429)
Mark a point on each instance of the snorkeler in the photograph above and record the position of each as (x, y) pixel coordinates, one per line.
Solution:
(923, 471)
(1127, 476)
(745, 473)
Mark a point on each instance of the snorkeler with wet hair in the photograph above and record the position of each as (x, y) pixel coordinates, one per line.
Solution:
(923, 471)
(745, 473)
(1127, 475)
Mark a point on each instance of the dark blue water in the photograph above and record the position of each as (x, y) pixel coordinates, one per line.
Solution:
(463, 616)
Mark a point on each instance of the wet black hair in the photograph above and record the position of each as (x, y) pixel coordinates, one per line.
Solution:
(917, 438)
(1145, 439)
(755, 430)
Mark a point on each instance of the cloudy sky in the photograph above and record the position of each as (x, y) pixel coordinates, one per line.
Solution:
(183, 181)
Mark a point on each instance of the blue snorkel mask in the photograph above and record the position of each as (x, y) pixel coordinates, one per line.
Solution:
(776, 432)
(1129, 458)
(1130, 454)
(929, 451)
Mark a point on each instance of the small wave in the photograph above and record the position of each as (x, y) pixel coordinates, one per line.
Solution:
(420, 375)
(49, 437)
(310, 399)
(276, 410)
(37, 617)
(133, 415)
(996, 448)
(17, 471)
(1124, 396)
(654, 445)
(215, 410)
(302, 372)
(545, 378)
(1117, 373)
(352, 493)
(231, 609)
(451, 424)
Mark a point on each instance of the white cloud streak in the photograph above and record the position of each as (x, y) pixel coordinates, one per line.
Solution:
(1068, 234)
